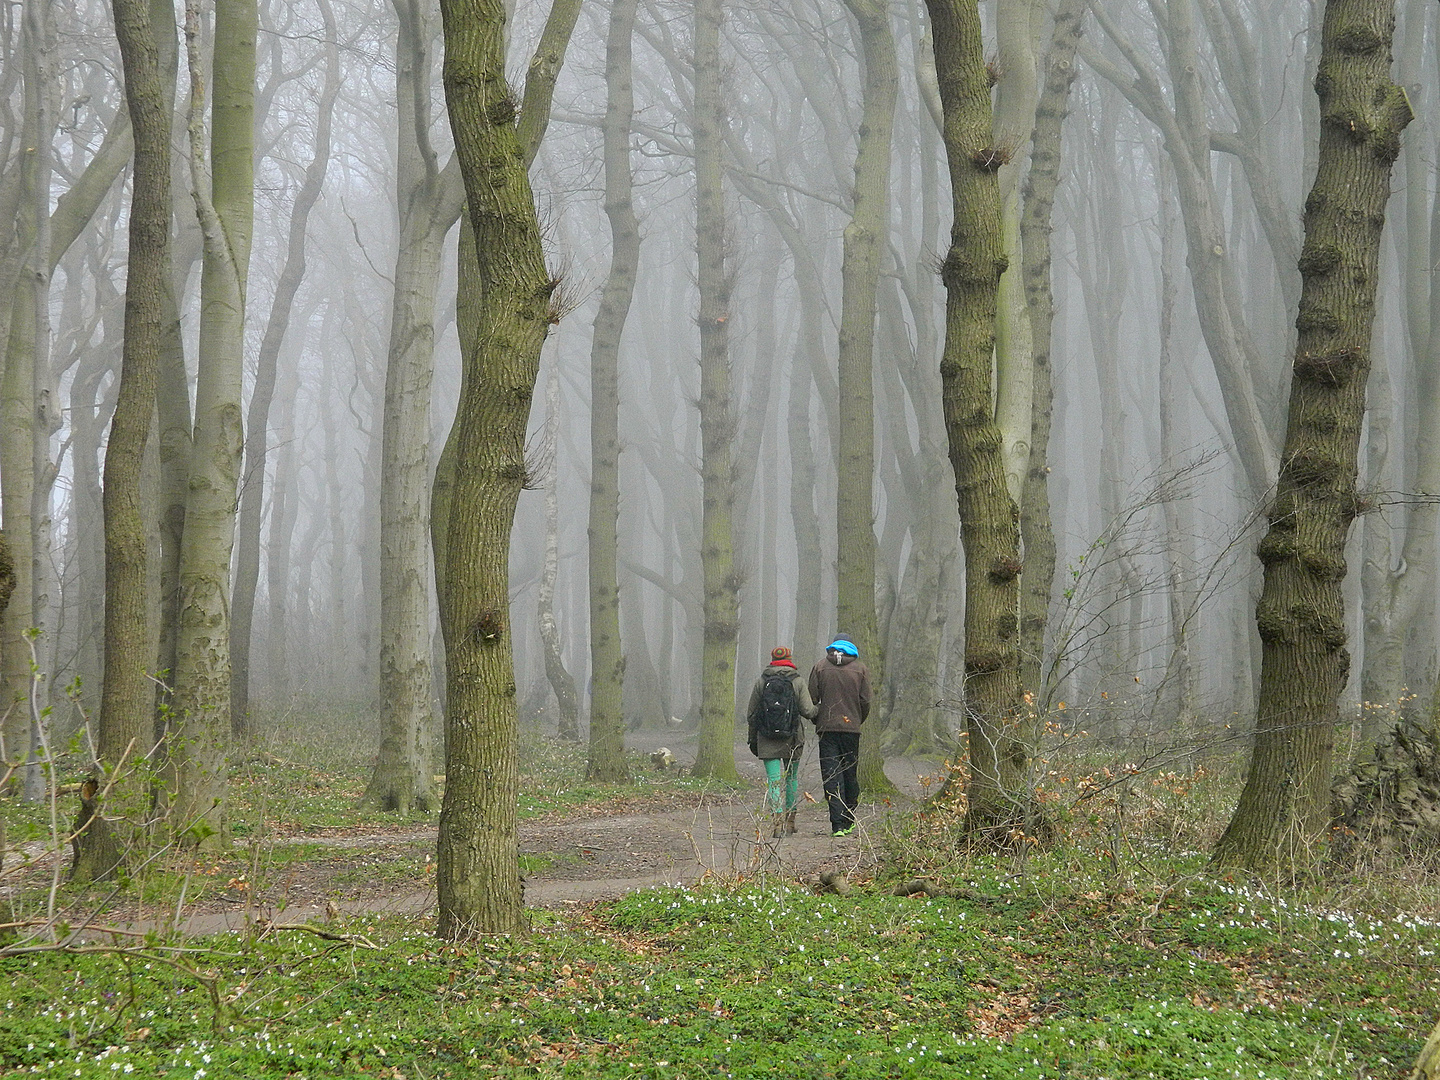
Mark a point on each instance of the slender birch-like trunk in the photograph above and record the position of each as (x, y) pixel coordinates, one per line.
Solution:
(202, 667)
(607, 661)
(252, 493)
(866, 238)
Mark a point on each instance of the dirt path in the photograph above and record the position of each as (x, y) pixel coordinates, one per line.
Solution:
(581, 858)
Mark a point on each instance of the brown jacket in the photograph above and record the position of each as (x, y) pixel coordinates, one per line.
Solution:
(764, 748)
(843, 693)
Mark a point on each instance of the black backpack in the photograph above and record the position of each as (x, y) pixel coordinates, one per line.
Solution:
(779, 709)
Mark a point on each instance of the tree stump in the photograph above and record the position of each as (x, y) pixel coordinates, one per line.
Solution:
(94, 846)
(1390, 803)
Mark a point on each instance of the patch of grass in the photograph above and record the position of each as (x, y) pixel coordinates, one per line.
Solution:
(1057, 974)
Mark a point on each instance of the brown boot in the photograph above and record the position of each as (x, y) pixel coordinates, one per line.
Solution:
(789, 822)
(777, 825)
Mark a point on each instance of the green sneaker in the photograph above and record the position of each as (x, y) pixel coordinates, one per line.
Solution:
(846, 831)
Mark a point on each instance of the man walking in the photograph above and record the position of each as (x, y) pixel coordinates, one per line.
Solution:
(840, 686)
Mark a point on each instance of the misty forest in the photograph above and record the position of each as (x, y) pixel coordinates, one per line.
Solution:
(421, 420)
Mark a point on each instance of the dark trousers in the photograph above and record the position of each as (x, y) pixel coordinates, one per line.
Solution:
(839, 772)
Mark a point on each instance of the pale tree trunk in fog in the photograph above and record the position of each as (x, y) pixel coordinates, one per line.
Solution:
(915, 639)
(252, 492)
(202, 664)
(1036, 533)
(176, 434)
(560, 679)
(478, 872)
(1285, 805)
(1237, 58)
(1104, 273)
(1179, 692)
(1399, 601)
(127, 697)
(865, 239)
(999, 758)
(715, 755)
(341, 668)
(73, 211)
(27, 405)
(429, 199)
(808, 361)
(1238, 363)
(1017, 25)
(607, 663)
(279, 546)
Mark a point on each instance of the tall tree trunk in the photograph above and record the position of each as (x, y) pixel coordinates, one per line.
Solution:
(559, 677)
(715, 754)
(607, 661)
(999, 758)
(1036, 533)
(27, 400)
(478, 872)
(252, 492)
(226, 213)
(1284, 807)
(1011, 128)
(127, 697)
(430, 200)
(865, 239)
(279, 547)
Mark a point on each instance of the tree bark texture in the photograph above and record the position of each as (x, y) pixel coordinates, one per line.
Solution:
(430, 200)
(715, 754)
(562, 683)
(865, 239)
(1037, 581)
(607, 660)
(999, 758)
(478, 872)
(1284, 807)
(202, 665)
(127, 697)
(1011, 130)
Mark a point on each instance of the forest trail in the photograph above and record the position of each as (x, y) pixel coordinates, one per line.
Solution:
(597, 853)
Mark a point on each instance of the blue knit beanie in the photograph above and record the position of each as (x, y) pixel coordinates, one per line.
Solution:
(844, 645)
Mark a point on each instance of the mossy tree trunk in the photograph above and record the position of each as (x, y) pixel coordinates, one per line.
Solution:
(715, 754)
(478, 872)
(999, 758)
(1285, 805)
(607, 660)
(127, 696)
(198, 735)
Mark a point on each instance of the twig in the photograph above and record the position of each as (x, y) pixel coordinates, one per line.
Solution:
(267, 928)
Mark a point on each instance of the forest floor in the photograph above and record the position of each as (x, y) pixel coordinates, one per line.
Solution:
(573, 856)
(299, 866)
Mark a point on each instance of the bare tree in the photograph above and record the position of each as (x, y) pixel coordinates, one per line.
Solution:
(226, 214)
(1284, 807)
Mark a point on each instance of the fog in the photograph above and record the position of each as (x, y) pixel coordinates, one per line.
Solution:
(1158, 346)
